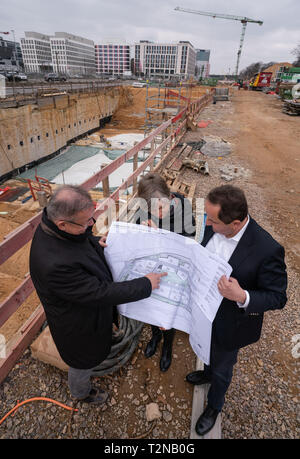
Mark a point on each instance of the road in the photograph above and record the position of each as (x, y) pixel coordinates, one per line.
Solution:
(28, 88)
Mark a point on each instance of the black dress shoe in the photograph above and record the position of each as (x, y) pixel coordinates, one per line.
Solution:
(152, 345)
(197, 378)
(206, 421)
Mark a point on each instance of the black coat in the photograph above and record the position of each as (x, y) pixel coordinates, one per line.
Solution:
(76, 289)
(258, 265)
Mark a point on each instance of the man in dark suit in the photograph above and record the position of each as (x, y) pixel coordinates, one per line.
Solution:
(257, 284)
(76, 288)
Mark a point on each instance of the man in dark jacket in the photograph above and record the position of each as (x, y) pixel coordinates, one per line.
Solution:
(257, 284)
(76, 289)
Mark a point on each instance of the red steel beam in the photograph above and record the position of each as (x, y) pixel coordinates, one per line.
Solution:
(101, 175)
(23, 339)
(18, 238)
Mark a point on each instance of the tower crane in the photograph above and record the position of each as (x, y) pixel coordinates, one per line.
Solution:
(243, 20)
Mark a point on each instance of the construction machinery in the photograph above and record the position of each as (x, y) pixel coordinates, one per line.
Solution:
(260, 80)
(243, 20)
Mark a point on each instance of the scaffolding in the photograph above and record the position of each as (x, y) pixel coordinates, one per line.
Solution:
(160, 107)
(165, 104)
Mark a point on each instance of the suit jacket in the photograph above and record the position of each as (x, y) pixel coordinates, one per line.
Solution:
(258, 265)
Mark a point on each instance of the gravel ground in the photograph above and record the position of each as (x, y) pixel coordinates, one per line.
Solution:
(261, 401)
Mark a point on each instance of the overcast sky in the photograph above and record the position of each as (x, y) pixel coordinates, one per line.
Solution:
(156, 20)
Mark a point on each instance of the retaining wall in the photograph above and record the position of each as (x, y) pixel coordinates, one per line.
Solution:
(35, 131)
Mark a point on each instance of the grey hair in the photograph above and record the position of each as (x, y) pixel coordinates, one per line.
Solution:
(67, 201)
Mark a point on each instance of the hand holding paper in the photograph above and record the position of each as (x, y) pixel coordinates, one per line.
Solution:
(231, 289)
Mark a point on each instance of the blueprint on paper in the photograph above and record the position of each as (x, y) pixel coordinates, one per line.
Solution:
(188, 297)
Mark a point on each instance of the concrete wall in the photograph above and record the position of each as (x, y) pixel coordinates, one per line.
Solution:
(31, 132)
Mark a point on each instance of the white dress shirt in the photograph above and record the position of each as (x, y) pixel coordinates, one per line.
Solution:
(224, 247)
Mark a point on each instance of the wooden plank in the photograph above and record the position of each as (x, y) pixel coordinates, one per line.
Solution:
(21, 341)
(199, 398)
(169, 166)
(105, 183)
(200, 392)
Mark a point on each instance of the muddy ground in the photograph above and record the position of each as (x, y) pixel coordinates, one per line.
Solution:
(262, 400)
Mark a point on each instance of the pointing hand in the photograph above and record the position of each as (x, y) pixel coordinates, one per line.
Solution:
(155, 279)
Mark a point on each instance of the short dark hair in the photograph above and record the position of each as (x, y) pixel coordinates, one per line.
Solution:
(232, 201)
(67, 201)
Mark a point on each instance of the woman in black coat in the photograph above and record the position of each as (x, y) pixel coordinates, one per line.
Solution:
(170, 211)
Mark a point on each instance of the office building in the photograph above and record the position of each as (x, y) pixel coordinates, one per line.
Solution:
(36, 52)
(112, 59)
(62, 53)
(10, 55)
(202, 63)
(165, 60)
(72, 54)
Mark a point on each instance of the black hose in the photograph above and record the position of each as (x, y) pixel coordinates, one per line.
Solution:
(121, 352)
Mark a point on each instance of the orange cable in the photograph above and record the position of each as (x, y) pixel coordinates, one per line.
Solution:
(36, 399)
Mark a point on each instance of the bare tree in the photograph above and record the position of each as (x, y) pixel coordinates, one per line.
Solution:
(251, 70)
(296, 52)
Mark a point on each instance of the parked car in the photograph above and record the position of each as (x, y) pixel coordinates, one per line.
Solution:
(138, 84)
(22, 77)
(55, 77)
(11, 76)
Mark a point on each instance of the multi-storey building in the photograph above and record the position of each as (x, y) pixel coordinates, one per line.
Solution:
(36, 52)
(165, 59)
(10, 55)
(61, 53)
(72, 54)
(112, 58)
(202, 62)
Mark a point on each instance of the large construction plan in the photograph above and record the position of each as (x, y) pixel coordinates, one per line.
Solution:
(188, 297)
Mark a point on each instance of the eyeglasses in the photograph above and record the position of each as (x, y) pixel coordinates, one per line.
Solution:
(79, 224)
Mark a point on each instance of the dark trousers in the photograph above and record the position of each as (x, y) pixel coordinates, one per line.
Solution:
(220, 373)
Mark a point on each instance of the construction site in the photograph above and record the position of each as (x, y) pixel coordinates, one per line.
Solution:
(197, 137)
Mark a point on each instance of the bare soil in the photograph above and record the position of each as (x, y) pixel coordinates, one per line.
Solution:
(269, 141)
